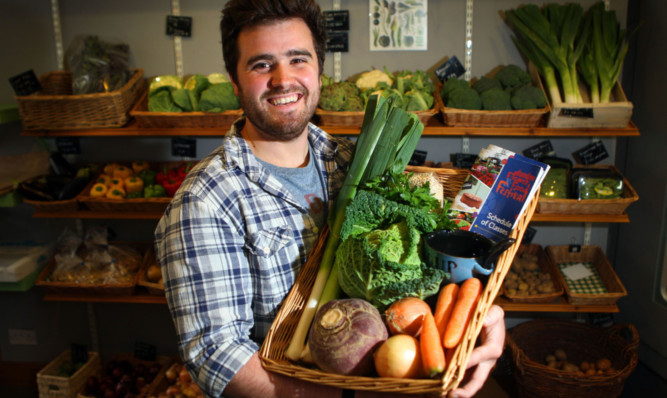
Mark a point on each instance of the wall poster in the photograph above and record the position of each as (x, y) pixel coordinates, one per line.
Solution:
(398, 25)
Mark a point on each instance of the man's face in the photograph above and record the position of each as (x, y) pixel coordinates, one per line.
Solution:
(278, 78)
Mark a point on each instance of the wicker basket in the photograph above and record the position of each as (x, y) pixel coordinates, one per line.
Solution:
(530, 342)
(52, 386)
(146, 119)
(450, 178)
(607, 276)
(56, 108)
(272, 352)
(95, 289)
(479, 118)
(53, 206)
(546, 265)
(163, 361)
(356, 119)
(590, 206)
(156, 289)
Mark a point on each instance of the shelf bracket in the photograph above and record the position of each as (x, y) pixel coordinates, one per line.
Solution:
(178, 48)
(588, 228)
(92, 328)
(58, 34)
(468, 42)
(337, 56)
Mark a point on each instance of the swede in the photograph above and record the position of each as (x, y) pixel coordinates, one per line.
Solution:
(344, 335)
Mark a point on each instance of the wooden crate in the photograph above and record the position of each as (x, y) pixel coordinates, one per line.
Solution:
(51, 385)
(608, 278)
(615, 114)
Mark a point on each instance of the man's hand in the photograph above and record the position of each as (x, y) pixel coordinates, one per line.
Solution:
(483, 358)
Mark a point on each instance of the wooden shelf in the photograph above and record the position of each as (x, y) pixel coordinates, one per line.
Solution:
(560, 304)
(141, 298)
(87, 214)
(433, 128)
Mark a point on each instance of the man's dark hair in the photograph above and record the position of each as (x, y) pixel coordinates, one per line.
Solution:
(240, 14)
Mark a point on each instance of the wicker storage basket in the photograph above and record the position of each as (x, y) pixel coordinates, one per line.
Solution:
(96, 289)
(163, 361)
(53, 206)
(56, 108)
(153, 288)
(530, 342)
(546, 265)
(272, 352)
(606, 275)
(356, 119)
(146, 119)
(591, 206)
(52, 386)
(450, 178)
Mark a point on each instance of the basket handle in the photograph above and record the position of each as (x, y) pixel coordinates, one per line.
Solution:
(634, 335)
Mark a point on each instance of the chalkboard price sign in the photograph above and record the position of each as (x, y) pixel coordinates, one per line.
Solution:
(179, 26)
(25, 83)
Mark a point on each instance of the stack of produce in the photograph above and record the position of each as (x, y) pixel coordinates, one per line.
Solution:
(409, 90)
(122, 378)
(525, 277)
(179, 383)
(409, 340)
(510, 88)
(63, 183)
(213, 93)
(120, 181)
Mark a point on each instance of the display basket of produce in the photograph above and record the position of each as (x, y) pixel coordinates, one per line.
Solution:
(272, 352)
(355, 119)
(563, 358)
(599, 285)
(52, 381)
(150, 195)
(536, 271)
(127, 375)
(147, 119)
(56, 108)
(520, 118)
(591, 206)
(150, 276)
(176, 381)
(119, 278)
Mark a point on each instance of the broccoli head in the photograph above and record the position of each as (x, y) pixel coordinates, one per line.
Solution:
(464, 98)
(450, 85)
(528, 97)
(353, 104)
(496, 99)
(513, 76)
(486, 83)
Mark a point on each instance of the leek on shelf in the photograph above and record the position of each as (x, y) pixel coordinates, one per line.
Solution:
(388, 138)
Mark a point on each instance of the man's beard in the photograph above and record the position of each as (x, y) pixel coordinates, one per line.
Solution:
(280, 128)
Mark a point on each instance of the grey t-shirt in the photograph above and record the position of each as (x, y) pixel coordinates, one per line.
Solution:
(307, 186)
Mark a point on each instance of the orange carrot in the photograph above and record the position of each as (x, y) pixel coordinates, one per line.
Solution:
(432, 351)
(465, 304)
(444, 306)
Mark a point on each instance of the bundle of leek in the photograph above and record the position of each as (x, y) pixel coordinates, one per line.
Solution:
(388, 138)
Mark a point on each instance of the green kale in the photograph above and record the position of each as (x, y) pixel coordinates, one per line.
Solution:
(383, 265)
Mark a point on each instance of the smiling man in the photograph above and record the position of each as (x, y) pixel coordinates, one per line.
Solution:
(239, 229)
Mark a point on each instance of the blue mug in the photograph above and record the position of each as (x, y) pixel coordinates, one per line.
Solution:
(463, 254)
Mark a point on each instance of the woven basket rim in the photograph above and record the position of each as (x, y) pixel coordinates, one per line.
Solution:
(137, 73)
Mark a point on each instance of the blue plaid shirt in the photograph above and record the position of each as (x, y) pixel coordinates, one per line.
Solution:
(230, 246)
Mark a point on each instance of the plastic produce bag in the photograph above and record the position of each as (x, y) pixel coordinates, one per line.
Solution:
(97, 66)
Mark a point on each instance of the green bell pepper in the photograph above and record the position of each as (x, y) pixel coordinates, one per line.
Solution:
(148, 176)
(154, 191)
